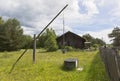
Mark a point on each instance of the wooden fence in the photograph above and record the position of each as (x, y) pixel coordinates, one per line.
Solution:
(111, 59)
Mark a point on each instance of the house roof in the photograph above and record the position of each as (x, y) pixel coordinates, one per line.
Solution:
(77, 36)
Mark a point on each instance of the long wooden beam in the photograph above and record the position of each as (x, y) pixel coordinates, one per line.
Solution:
(13, 66)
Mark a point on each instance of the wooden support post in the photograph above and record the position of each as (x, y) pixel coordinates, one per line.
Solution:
(34, 48)
(13, 66)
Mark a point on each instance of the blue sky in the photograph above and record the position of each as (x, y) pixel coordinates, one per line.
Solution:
(96, 17)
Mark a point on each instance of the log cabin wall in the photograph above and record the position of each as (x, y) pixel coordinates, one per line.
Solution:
(71, 39)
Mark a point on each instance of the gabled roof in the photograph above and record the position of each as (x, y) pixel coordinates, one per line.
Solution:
(77, 36)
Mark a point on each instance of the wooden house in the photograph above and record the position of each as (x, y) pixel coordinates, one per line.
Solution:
(71, 39)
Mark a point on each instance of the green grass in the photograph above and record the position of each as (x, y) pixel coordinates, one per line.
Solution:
(48, 67)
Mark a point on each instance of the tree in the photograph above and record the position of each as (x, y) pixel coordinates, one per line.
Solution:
(2, 35)
(94, 41)
(115, 35)
(1, 21)
(100, 42)
(11, 35)
(41, 40)
(89, 38)
(48, 40)
(27, 41)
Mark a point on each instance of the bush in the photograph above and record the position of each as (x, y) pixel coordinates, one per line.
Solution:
(48, 40)
(69, 48)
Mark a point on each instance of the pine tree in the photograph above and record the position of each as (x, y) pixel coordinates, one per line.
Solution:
(2, 35)
(116, 36)
(11, 35)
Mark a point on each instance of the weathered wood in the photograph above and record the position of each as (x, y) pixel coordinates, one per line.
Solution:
(71, 63)
(110, 58)
(36, 38)
(71, 39)
(34, 49)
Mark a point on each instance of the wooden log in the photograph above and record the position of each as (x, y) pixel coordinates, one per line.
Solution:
(34, 48)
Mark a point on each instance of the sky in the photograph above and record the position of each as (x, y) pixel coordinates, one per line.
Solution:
(96, 17)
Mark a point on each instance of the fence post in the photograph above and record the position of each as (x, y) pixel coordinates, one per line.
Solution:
(34, 49)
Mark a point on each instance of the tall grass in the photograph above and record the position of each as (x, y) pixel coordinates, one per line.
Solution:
(48, 67)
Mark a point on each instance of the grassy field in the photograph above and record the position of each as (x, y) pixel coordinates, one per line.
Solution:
(48, 67)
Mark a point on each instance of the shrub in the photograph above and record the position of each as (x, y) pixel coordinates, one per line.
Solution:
(69, 48)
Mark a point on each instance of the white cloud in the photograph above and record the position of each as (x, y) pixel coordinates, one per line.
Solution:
(103, 34)
(115, 11)
(111, 10)
(29, 31)
(90, 7)
(74, 14)
(34, 15)
(38, 13)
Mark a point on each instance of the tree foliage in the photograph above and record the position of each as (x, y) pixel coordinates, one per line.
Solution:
(27, 42)
(41, 40)
(94, 41)
(11, 35)
(100, 42)
(89, 38)
(48, 40)
(115, 35)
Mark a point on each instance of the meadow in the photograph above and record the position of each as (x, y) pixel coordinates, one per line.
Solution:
(49, 66)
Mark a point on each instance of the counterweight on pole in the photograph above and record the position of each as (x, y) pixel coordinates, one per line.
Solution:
(36, 38)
